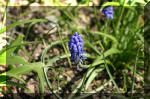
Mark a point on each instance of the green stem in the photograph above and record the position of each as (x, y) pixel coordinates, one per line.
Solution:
(28, 30)
(65, 49)
(96, 19)
(120, 16)
(134, 72)
(94, 91)
(132, 3)
(81, 83)
(110, 75)
(46, 78)
(4, 15)
(49, 85)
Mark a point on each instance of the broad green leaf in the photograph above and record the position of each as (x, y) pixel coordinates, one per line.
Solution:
(142, 2)
(111, 52)
(93, 75)
(15, 60)
(1, 90)
(25, 68)
(54, 59)
(16, 72)
(15, 46)
(111, 76)
(88, 44)
(13, 75)
(3, 58)
(17, 41)
(81, 83)
(100, 62)
(93, 91)
(90, 56)
(2, 80)
(108, 53)
(115, 41)
(41, 80)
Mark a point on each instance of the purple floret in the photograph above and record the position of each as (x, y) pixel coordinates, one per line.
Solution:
(76, 48)
(108, 12)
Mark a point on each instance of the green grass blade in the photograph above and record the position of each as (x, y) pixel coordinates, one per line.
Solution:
(110, 75)
(93, 92)
(16, 45)
(41, 81)
(100, 62)
(28, 30)
(4, 15)
(81, 83)
(47, 48)
(3, 58)
(16, 72)
(108, 53)
(93, 75)
(12, 75)
(21, 22)
(65, 49)
(121, 10)
(134, 72)
(115, 41)
(49, 84)
(11, 60)
(16, 42)
(89, 45)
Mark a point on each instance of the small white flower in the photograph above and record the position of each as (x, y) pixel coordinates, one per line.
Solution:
(59, 88)
(60, 76)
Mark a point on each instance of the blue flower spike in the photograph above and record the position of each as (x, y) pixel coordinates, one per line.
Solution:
(76, 49)
(108, 12)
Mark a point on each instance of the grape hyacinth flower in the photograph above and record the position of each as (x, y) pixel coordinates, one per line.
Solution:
(76, 48)
(108, 12)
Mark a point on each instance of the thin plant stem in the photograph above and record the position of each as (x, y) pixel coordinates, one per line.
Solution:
(81, 83)
(47, 81)
(49, 85)
(65, 49)
(134, 72)
(4, 15)
(93, 91)
(96, 19)
(120, 16)
(110, 75)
